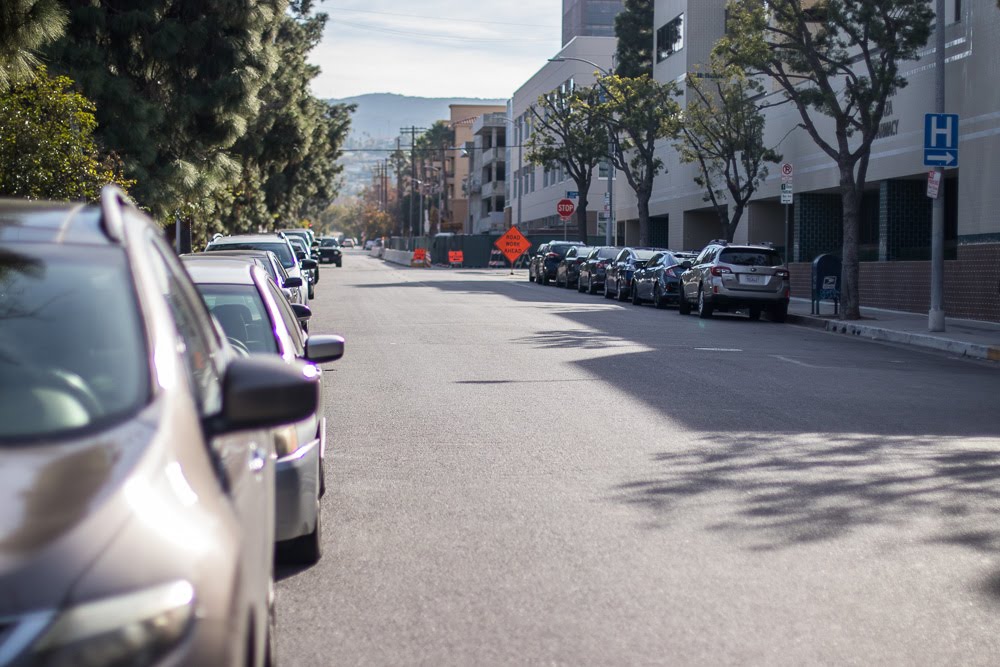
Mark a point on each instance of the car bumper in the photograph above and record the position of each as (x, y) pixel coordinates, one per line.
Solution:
(296, 488)
(734, 301)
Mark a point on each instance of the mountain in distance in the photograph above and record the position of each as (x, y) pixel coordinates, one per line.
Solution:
(380, 116)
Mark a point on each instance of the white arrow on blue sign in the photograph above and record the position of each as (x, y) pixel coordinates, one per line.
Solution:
(940, 139)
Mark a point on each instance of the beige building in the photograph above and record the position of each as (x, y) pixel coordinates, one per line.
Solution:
(462, 119)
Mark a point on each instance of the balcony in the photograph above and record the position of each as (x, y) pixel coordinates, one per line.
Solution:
(493, 189)
(491, 222)
(496, 154)
(488, 122)
(472, 187)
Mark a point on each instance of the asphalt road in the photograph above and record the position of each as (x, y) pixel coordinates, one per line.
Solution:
(522, 474)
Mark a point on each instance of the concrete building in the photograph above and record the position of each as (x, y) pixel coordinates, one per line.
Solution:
(589, 18)
(896, 218)
(487, 185)
(462, 118)
(532, 192)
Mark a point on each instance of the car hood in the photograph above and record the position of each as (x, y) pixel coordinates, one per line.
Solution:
(59, 509)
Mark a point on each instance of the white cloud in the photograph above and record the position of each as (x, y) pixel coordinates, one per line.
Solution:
(436, 48)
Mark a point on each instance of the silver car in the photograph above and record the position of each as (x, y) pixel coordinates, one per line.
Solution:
(136, 477)
(259, 320)
(279, 245)
(726, 277)
(269, 262)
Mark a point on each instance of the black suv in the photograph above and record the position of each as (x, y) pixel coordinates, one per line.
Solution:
(545, 263)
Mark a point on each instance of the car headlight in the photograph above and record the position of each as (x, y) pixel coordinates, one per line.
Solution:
(133, 629)
(286, 441)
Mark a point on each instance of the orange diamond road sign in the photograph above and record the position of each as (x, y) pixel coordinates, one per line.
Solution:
(512, 244)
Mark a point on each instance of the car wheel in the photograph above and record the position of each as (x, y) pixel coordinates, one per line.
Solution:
(607, 290)
(754, 314)
(658, 300)
(312, 291)
(619, 294)
(308, 549)
(339, 263)
(636, 301)
(590, 286)
(704, 309)
(779, 313)
(543, 278)
(531, 276)
(579, 284)
(683, 305)
(271, 641)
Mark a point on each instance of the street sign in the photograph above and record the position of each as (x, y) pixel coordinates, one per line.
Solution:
(456, 257)
(786, 170)
(786, 187)
(565, 208)
(420, 254)
(512, 244)
(941, 140)
(572, 194)
(933, 184)
(786, 197)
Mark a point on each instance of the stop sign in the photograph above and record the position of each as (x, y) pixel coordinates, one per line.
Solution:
(565, 208)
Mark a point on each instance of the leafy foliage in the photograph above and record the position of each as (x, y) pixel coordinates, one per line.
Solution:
(25, 27)
(569, 131)
(634, 30)
(640, 112)
(836, 58)
(723, 133)
(48, 150)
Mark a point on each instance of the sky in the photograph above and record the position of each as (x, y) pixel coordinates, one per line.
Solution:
(434, 48)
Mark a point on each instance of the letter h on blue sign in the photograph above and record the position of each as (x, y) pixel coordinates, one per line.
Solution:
(940, 139)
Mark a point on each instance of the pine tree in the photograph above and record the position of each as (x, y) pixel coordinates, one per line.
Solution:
(25, 27)
(634, 30)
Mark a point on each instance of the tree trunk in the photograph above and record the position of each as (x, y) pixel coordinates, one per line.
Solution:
(642, 198)
(850, 292)
(581, 217)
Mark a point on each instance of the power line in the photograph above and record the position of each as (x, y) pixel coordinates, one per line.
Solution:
(434, 36)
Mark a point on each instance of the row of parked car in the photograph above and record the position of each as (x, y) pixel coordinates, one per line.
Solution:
(721, 277)
(161, 438)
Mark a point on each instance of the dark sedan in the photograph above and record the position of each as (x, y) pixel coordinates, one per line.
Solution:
(659, 280)
(568, 270)
(546, 260)
(594, 268)
(619, 276)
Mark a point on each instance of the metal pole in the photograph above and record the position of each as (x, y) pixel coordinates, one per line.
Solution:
(935, 318)
(611, 194)
(788, 234)
(520, 176)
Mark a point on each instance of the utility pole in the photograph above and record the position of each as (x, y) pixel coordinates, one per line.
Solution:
(398, 157)
(935, 318)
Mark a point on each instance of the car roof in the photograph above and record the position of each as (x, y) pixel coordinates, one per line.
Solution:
(249, 238)
(51, 222)
(226, 271)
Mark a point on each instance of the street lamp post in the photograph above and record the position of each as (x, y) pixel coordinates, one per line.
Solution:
(611, 167)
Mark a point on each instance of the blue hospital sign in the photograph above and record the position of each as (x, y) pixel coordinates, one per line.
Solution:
(941, 139)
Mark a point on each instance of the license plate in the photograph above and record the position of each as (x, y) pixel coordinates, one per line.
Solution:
(750, 279)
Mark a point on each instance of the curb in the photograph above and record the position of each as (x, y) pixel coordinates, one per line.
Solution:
(971, 350)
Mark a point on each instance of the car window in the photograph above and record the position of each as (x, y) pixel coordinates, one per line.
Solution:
(288, 317)
(653, 260)
(328, 243)
(645, 255)
(607, 253)
(278, 247)
(750, 257)
(201, 352)
(242, 316)
(72, 346)
(622, 256)
(571, 253)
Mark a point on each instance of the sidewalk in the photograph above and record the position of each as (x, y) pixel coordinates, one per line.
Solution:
(969, 338)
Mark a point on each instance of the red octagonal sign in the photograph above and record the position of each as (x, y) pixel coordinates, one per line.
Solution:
(565, 208)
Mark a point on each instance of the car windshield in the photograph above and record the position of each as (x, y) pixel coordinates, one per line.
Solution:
(608, 253)
(750, 257)
(279, 248)
(328, 243)
(643, 255)
(72, 348)
(242, 315)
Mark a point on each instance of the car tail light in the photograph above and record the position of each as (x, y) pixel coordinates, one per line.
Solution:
(581, 260)
(673, 271)
(720, 270)
(781, 273)
(552, 255)
(602, 265)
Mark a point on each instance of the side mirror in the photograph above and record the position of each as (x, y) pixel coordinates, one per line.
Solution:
(302, 313)
(292, 281)
(264, 392)
(321, 349)
(308, 264)
(300, 254)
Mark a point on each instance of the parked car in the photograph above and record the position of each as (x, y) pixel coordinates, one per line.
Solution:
(728, 278)
(303, 233)
(369, 244)
(258, 320)
(291, 287)
(594, 268)
(279, 245)
(136, 481)
(658, 280)
(546, 260)
(329, 251)
(303, 253)
(569, 267)
(618, 280)
(348, 243)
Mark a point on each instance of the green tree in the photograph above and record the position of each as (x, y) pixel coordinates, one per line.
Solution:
(834, 58)
(52, 155)
(432, 147)
(723, 133)
(569, 131)
(634, 30)
(640, 113)
(176, 83)
(25, 27)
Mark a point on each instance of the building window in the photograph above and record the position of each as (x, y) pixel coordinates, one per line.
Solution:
(602, 169)
(670, 38)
